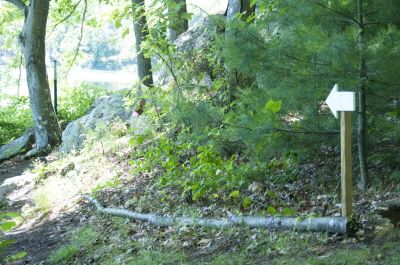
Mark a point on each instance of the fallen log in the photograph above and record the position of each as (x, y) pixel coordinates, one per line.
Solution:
(341, 225)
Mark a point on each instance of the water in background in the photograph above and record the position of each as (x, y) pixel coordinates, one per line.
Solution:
(109, 80)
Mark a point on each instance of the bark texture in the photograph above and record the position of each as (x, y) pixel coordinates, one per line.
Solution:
(32, 41)
(22, 144)
(362, 114)
(183, 24)
(232, 74)
(141, 31)
(342, 225)
(234, 7)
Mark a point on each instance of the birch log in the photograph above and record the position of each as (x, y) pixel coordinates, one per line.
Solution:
(342, 225)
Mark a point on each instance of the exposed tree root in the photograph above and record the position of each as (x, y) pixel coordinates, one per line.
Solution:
(390, 209)
(342, 225)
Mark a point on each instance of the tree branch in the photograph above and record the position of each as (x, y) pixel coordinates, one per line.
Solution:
(285, 130)
(80, 38)
(382, 22)
(337, 12)
(305, 132)
(19, 4)
(64, 19)
(342, 225)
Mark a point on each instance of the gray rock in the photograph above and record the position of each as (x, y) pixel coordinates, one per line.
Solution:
(22, 144)
(98, 117)
(194, 44)
(199, 36)
(14, 183)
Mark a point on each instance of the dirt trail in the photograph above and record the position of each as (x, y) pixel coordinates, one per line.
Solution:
(39, 236)
(14, 167)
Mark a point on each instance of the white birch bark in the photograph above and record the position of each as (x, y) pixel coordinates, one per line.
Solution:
(342, 225)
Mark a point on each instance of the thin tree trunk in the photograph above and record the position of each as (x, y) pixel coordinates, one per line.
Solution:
(234, 7)
(362, 120)
(32, 41)
(233, 75)
(183, 24)
(141, 31)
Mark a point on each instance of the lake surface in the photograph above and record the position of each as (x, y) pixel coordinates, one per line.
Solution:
(110, 80)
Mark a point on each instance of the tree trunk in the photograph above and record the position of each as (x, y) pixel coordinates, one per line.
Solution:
(182, 26)
(342, 225)
(362, 119)
(234, 7)
(239, 6)
(32, 41)
(140, 28)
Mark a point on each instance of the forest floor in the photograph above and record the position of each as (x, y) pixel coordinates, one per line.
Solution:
(14, 167)
(72, 233)
(41, 235)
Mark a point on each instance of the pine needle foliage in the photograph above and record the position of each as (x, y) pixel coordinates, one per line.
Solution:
(310, 45)
(286, 59)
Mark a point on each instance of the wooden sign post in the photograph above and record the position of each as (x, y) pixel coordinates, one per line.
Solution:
(345, 147)
(55, 87)
(345, 103)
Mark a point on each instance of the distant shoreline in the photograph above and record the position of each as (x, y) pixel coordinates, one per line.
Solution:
(110, 80)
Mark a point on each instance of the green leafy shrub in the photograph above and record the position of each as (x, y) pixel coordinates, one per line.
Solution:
(74, 102)
(193, 163)
(15, 117)
(5, 226)
(194, 167)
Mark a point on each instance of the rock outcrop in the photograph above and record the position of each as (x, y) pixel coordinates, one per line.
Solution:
(194, 45)
(14, 183)
(22, 144)
(104, 109)
(199, 36)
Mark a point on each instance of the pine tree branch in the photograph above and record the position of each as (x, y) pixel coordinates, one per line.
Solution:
(382, 22)
(291, 57)
(344, 19)
(304, 132)
(383, 83)
(337, 12)
(286, 130)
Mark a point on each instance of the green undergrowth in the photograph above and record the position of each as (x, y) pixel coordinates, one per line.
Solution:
(16, 116)
(107, 240)
(150, 173)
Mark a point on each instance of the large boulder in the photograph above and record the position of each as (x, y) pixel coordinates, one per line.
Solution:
(22, 144)
(104, 110)
(195, 44)
(199, 37)
(14, 183)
